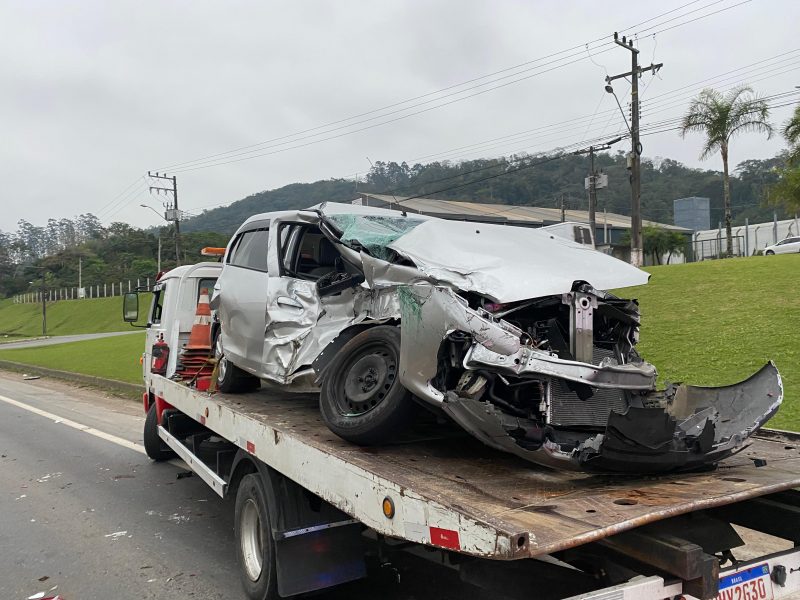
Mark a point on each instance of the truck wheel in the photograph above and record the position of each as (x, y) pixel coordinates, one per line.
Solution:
(153, 445)
(362, 399)
(254, 543)
(230, 378)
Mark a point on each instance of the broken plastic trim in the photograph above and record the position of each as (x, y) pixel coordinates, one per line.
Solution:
(699, 427)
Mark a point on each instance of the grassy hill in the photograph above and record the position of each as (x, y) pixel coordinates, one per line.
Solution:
(717, 322)
(64, 317)
(111, 357)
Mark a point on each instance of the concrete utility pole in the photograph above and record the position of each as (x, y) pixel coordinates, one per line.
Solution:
(563, 209)
(637, 255)
(44, 308)
(172, 213)
(593, 182)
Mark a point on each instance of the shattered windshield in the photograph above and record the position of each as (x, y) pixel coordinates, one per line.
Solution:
(373, 232)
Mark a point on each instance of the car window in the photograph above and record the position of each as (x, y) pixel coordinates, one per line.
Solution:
(250, 251)
(207, 283)
(302, 252)
(157, 307)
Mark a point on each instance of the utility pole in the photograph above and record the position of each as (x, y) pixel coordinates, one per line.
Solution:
(172, 213)
(592, 183)
(44, 308)
(637, 255)
(563, 209)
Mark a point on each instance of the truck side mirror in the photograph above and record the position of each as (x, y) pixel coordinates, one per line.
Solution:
(130, 307)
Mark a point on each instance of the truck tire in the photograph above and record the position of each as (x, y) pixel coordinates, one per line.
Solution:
(153, 445)
(362, 399)
(230, 378)
(255, 546)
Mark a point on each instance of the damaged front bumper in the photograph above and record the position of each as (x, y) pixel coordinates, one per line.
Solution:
(691, 427)
(638, 430)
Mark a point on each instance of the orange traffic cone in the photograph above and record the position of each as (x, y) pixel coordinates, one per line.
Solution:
(200, 337)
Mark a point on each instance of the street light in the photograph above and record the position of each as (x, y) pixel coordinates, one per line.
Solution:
(44, 301)
(610, 90)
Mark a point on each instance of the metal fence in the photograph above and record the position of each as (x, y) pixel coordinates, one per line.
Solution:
(717, 247)
(99, 290)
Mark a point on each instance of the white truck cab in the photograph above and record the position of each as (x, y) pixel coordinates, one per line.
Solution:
(173, 307)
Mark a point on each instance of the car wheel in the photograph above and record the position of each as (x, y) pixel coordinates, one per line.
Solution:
(769, 253)
(255, 544)
(362, 399)
(154, 446)
(230, 378)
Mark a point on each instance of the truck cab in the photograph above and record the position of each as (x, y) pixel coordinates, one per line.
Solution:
(172, 310)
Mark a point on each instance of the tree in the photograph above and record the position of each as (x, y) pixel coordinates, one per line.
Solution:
(791, 131)
(721, 117)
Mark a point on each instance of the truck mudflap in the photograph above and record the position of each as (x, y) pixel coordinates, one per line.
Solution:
(691, 427)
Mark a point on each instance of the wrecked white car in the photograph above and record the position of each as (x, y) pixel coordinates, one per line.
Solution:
(505, 330)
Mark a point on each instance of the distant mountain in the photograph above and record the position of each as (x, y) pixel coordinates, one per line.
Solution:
(290, 197)
(523, 180)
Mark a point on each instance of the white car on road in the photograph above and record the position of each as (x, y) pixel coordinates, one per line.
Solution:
(790, 244)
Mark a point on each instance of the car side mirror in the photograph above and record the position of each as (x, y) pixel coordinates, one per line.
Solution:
(130, 307)
(336, 281)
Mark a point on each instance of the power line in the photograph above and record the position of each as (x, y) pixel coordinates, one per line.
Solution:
(255, 150)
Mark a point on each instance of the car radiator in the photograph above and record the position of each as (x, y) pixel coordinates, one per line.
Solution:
(567, 409)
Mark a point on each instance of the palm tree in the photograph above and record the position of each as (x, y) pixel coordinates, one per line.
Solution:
(720, 117)
(791, 131)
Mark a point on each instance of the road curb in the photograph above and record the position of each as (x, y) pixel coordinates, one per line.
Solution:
(122, 387)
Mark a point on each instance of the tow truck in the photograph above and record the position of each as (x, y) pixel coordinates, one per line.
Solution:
(311, 509)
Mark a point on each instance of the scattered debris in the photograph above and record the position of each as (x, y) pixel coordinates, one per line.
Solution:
(116, 477)
(116, 534)
(44, 578)
(184, 474)
(21, 497)
(27, 377)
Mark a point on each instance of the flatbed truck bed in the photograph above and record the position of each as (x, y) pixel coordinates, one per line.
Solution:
(445, 491)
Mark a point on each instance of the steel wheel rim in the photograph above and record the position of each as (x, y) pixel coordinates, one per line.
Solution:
(250, 538)
(366, 379)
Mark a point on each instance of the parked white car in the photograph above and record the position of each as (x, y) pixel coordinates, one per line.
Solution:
(790, 244)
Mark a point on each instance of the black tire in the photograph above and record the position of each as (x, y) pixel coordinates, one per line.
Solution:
(255, 547)
(230, 378)
(362, 399)
(153, 445)
(769, 253)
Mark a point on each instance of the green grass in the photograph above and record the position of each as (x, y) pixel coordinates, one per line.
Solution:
(717, 322)
(114, 357)
(65, 317)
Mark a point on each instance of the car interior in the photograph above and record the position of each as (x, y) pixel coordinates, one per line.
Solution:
(307, 254)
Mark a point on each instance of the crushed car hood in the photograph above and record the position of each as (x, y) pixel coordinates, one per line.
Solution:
(500, 262)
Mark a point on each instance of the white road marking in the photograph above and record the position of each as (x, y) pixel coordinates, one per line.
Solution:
(75, 425)
(86, 429)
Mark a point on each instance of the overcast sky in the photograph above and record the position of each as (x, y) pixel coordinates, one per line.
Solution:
(96, 93)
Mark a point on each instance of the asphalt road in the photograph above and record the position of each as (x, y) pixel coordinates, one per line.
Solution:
(62, 339)
(87, 515)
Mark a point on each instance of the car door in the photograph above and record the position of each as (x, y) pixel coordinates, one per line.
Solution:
(241, 297)
(293, 305)
(793, 244)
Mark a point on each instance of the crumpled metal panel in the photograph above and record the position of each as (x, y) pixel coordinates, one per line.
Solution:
(510, 263)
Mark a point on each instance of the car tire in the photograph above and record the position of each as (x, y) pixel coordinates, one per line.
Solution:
(154, 446)
(230, 379)
(255, 546)
(769, 253)
(361, 398)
